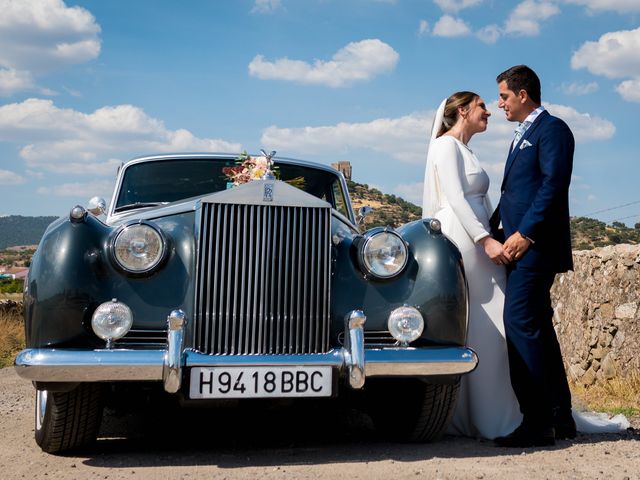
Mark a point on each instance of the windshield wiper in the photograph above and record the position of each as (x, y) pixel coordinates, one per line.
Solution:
(132, 206)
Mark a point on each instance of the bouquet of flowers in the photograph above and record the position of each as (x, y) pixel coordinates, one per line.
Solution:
(250, 168)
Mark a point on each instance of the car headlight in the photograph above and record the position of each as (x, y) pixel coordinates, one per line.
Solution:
(383, 253)
(138, 248)
(405, 324)
(111, 320)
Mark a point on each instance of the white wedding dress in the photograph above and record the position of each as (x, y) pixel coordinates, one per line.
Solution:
(487, 406)
(456, 194)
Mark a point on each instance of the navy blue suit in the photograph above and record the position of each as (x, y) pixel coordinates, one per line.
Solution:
(535, 202)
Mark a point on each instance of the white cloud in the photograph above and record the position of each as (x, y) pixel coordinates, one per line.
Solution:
(489, 34)
(423, 28)
(66, 140)
(403, 138)
(102, 188)
(41, 35)
(614, 55)
(381, 142)
(620, 6)
(526, 17)
(12, 81)
(454, 6)
(266, 6)
(358, 61)
(585, 127)
(449, 26)
(10, 178)
(577, 88)
(630, 90)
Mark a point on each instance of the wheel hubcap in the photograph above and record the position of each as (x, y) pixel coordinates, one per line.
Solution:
(41, 407)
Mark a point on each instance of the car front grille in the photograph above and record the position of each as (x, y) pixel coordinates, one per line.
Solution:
(374, 339)
(262, 283)
(156, 338)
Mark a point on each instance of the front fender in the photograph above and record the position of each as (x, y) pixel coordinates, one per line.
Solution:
(71, 274)
(433, 281)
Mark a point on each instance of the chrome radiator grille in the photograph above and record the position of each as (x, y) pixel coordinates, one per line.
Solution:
(263, 280)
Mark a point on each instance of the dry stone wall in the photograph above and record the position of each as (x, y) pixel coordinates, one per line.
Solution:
(596, 314)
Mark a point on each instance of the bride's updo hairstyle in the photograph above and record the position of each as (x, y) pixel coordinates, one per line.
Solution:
(455, 101)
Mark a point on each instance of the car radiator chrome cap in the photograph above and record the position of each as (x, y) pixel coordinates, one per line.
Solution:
(111, 321)
(405, 325)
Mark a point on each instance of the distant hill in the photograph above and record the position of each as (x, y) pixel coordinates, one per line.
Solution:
(389, 210)
(18, 230)
(586, 233)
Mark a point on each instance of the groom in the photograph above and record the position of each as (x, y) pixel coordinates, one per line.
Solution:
(534, 213)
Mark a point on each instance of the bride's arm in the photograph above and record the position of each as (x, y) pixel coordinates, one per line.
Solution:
(451, 175)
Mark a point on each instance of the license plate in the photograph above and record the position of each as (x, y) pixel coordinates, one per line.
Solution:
(260, 382)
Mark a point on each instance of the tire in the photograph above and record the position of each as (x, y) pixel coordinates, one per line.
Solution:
(70, 420)
(410, 410)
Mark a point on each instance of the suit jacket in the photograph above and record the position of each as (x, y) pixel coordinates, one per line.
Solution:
(534, 196)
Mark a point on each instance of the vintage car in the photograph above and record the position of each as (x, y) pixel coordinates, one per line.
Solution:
(268, 289)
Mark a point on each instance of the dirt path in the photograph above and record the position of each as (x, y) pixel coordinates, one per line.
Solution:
(299, 445)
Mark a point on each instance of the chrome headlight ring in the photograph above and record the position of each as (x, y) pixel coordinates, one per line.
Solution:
(138, 248)
(382, 253)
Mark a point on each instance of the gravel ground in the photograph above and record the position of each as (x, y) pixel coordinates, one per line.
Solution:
(293, 443)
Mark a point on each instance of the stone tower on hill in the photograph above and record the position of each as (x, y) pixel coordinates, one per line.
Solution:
(344, 168)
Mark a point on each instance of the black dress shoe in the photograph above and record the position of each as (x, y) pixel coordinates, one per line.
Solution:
(564, 424)
(525, 436)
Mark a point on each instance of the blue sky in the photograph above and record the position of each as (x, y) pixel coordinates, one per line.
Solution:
(87, 84)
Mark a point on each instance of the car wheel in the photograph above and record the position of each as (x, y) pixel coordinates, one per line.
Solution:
(68, 420)
(410, 410)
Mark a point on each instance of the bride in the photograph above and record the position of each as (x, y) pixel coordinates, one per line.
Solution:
(455, 192)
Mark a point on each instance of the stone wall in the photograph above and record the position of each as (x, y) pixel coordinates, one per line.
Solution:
(597, 318)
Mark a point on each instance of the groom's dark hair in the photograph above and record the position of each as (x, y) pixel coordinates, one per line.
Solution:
(522, 77)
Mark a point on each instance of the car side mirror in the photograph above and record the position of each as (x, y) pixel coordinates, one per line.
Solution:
(97, 206)
(363, 213)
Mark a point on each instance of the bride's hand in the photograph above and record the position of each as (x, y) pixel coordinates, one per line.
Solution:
(495, 251)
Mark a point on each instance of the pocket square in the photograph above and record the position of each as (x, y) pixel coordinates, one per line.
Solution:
(525, 144)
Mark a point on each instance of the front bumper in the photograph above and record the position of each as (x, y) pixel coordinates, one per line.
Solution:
(167, 365)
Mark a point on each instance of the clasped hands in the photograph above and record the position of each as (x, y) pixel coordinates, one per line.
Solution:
(502, 254)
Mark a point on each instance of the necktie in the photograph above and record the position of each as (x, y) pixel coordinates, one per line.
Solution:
(519, 131)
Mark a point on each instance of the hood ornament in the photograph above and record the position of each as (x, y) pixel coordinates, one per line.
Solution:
(268, 174)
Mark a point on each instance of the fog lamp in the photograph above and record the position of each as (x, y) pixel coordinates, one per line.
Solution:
(405, 324)
(111, 321)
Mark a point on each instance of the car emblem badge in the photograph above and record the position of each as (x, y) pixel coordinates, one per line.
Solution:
(268, 192)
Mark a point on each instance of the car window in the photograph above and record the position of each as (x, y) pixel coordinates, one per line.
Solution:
(340, 202)
(177, 179)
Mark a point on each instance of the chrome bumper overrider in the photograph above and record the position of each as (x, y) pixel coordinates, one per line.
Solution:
(76, 365)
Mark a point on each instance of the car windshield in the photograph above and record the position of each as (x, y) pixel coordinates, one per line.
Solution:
(163, 181)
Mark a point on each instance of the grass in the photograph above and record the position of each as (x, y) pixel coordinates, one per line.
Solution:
(11, 337)
(618, 395)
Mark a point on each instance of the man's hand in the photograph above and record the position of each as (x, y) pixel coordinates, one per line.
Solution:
(495, 251)
(516, 245)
